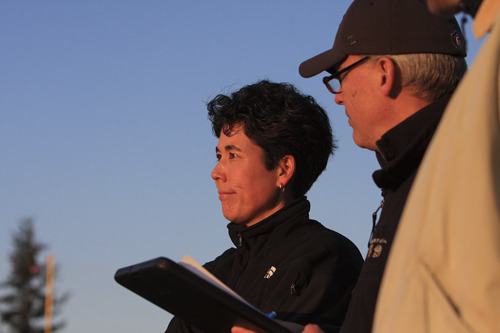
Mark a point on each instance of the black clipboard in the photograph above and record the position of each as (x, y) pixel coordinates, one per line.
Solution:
(181, 292)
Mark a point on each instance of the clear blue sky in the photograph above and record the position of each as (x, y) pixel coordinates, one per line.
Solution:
(105, 142)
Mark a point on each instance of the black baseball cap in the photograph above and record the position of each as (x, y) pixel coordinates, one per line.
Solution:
(388, 27)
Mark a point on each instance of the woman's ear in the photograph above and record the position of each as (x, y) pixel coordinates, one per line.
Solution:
(285, 170)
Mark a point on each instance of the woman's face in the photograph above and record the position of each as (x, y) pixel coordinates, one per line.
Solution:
(247, 190)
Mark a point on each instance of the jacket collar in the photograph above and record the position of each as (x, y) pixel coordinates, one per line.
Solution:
(297, 210)
(401, 149)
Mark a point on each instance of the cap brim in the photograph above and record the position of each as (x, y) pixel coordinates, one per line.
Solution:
(322, 62)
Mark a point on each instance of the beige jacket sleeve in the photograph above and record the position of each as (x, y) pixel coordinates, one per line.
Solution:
(443, 274)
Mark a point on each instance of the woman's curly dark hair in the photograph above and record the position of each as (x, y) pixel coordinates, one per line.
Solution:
(282, 121)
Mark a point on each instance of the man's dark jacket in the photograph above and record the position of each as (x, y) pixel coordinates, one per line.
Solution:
(314, 271)
(400, 152)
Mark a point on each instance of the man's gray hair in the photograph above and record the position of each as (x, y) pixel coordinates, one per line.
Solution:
(430, 76)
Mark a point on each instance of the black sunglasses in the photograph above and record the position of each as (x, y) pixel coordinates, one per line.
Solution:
(334, 82)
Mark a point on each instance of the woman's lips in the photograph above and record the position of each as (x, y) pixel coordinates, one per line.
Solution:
(225, 194)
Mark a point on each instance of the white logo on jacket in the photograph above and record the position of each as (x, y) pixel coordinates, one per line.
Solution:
(270, 272)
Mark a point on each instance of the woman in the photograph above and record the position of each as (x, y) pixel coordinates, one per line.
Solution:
(273, 144)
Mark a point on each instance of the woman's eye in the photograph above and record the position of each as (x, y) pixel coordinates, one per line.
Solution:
(232, 156)
(218, 156)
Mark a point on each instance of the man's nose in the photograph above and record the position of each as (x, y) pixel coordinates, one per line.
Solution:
(339, 99)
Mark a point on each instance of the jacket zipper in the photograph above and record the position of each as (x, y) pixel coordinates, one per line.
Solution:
(374, 220)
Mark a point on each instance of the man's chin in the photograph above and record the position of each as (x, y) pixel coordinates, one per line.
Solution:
(362, 143)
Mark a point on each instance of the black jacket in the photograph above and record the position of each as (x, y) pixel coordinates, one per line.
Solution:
(400, 152)
(314, 271)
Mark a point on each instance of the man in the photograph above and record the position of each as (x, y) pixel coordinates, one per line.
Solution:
(393, 67)
(444, 271)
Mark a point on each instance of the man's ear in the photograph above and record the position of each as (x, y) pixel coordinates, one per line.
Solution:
(389, 77)
(286, 170)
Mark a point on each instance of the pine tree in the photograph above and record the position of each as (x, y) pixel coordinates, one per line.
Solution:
(22, 306)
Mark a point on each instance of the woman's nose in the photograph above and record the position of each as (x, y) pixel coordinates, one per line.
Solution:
(217, 173)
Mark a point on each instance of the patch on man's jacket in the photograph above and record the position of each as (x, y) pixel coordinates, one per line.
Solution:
(376, 247)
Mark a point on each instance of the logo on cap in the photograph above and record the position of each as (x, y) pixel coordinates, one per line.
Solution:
(457, 40)
(351, 40)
